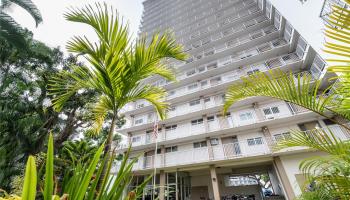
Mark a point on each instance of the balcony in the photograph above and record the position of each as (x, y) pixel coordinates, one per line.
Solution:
(216, 123)
(283, 62)
(203, 154)
(220, 152)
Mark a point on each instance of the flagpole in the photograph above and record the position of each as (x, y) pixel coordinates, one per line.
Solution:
(155, 155)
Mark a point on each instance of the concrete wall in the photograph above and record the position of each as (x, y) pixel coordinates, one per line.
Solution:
(202, 180)
(291, 165)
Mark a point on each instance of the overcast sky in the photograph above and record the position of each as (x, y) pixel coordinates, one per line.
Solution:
(56, 31)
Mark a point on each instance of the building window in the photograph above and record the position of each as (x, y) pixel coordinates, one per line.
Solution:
(197, 122)
(194, 102)
(214, 141)
(193, 86)
(189, 73)
(172, 108)
(271, 110)
(136, 139)
(282, 136)
(171, 93)
(206, 99)
(255, 141)
(246, 116)
(139, 121)
(170, 128)
(200, 144)
(210, 118)
(170, 149)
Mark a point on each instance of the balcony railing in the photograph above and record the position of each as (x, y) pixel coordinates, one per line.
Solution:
(240, 149)
(226, 77)
(203, 154)
(218, 123)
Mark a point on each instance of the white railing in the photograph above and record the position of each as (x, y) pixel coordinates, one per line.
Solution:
(203, 154)
(227, 77)
(186, 129)
(221, 152)
(337, 130)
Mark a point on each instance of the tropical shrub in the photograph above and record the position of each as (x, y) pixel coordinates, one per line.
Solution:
(82, 184)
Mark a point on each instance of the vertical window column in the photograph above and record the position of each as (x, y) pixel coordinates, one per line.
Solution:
(258, 112)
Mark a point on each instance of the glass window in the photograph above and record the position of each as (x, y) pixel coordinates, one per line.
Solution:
(214, 141)
(255, 141)
(194, 102)
(139, 121)
(210, 118)
(136, 139)
(172, 127)
(206, 99)
(282, 136)
(200, 144)
(245, 116)
(197, 122)
(193, 86)
(170, 149)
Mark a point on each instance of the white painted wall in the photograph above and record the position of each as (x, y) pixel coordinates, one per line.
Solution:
(291, 165)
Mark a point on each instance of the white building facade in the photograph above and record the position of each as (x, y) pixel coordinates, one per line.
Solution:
(202, 152)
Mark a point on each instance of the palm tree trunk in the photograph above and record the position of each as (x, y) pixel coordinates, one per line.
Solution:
(106, 153)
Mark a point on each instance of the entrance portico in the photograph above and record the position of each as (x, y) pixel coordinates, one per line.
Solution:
(259, 182)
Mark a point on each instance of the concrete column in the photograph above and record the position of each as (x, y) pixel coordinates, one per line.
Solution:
(132, 120)
(162, 133)
(129, 138)
(201, 99)
(210, 149)
(258, 112)
(268, 136)
(205, 123)
(161, 185)
(162, 151)
(282, 175)
(214, 182)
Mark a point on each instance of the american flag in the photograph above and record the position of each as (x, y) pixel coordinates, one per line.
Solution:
(155, 129)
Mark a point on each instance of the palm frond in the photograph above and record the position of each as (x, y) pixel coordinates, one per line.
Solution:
(12, 32)
(331, 171)
(65, 84)
(99, 112)
(320, 139)
(300, 89)
(31, 8)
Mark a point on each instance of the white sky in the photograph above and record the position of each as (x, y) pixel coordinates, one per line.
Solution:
(56, 31)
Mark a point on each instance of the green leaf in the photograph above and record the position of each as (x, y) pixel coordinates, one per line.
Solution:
(30, 179)
(84, 184)
(48, 188)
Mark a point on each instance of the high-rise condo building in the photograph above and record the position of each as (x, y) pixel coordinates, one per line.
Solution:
(202, 152)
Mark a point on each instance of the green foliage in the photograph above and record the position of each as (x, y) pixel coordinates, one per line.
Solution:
(316, 194)
(82, 184)
(48, 188)
(338, 45)
(10, 30)
(30, 179)
(117, 65)
(301, 89)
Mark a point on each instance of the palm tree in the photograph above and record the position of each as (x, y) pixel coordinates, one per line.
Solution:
(10, 30)
(118, 67)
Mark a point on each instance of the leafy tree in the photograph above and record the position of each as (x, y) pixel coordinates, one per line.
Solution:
(26, 113)
(10, 30)
(117, 68)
